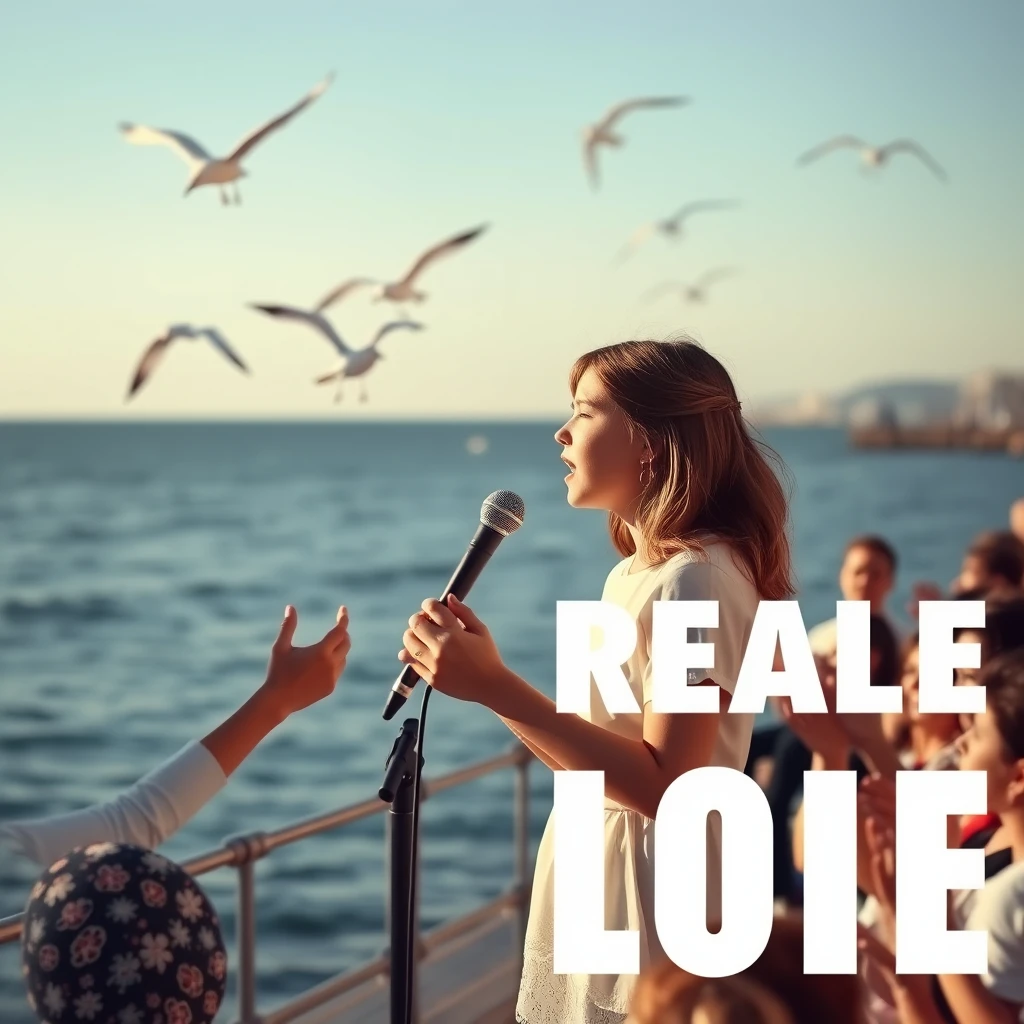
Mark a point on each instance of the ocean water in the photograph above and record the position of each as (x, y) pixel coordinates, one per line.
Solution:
(144, 569)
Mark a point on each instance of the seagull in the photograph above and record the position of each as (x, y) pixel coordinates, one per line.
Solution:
(601, 134)
(402, 291)
(152, 356)
(874, 156)
(671, 227)
(696, 292)
(205, 169)
(353, 362)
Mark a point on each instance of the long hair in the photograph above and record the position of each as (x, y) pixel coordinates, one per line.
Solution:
(708, 474)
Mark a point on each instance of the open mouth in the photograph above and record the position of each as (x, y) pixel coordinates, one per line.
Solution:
(571, 465)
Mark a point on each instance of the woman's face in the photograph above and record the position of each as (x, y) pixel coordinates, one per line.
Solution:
(981, 749)
(603, 455)
(935, 723)
(969, 676)
(910, 681)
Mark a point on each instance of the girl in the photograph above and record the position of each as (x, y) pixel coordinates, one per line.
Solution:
(657, 440)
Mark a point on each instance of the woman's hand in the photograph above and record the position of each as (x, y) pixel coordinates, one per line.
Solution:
(452, 650)
(296, 678)
(300, 676)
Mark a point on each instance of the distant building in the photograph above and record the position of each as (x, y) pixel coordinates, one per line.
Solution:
(872, 412)
(991, 401)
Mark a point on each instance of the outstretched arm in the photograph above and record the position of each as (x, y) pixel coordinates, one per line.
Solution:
(165, 799)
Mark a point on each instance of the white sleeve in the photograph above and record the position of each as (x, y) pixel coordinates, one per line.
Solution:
(698, 581)
(999, 909)
(146, 814)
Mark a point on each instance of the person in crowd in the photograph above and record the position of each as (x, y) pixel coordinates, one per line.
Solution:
(1017, 519)
(994, 744)
(773, 990)
(867, 573)
(162, 801)
(994, 564)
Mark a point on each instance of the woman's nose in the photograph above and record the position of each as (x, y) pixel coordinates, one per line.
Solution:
(562, 435)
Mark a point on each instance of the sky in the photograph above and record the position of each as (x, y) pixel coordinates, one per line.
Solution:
(447, 115)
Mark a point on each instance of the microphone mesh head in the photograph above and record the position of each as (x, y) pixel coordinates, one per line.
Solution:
(503, 511)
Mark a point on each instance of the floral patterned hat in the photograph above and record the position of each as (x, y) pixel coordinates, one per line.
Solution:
(120, 935)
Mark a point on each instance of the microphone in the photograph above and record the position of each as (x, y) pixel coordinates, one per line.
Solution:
(501, 514)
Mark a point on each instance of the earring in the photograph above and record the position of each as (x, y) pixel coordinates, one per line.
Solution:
(649, 471)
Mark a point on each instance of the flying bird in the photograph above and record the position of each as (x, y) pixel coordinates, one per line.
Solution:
(155, 352)
(403, 290)
(671, 227)
(204, 169)
(694, 292)
(352, 362)
(874, 156)
(602, 134)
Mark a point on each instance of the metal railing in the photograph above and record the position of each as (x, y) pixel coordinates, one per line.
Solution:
(243, 852)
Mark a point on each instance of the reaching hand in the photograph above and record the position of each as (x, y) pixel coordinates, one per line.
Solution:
(452, 650)
(300, 676)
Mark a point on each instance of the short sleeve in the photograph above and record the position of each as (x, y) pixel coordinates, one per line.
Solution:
(696, 581)
(999, 910)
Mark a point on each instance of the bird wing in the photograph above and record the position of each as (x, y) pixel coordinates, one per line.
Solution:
(220, 342)
(839, 142)
(147, 364)
(326, 378)
(635, 240)
(186, 147)
(688, 209)
(627, 106)
(910, 146)
(590, 163)
(394, 325)
(661, 289)
(710, 276)
(441, 250)
(314, 319)
(341, 291)
(272, 125)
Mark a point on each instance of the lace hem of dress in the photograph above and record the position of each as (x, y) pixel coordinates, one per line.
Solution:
(549, 998)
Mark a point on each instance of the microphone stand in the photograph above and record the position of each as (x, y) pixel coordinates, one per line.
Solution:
(401, 789)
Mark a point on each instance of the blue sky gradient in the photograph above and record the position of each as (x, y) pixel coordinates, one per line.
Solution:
(446, 115)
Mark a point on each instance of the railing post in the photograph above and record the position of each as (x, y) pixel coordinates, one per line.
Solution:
(247, 850)
(522, 841)
(246, 936)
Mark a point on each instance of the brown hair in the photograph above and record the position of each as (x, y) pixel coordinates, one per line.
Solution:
(1002, 554)
(773, 988)
(1003, 679)
(708, 472)
(876, 545)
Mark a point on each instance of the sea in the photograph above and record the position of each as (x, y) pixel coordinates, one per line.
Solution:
(144, 569)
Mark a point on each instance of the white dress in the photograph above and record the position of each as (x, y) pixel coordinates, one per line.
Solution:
(549, 998)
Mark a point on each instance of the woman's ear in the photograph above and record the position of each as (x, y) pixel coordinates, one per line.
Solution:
(1015, 787)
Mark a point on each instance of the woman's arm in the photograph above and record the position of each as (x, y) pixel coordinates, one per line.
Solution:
(535, 750)
(636, 772)
(162, 801)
